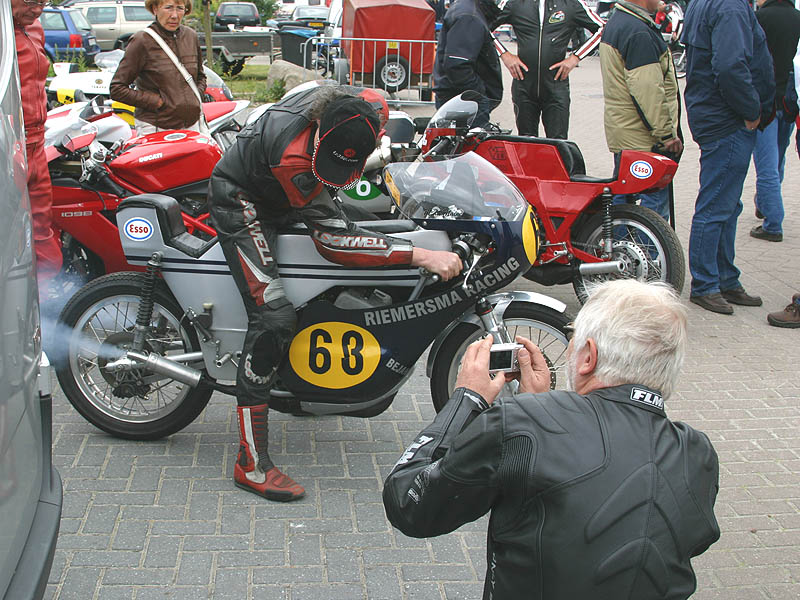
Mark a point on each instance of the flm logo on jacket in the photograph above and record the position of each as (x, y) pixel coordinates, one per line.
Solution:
(138, 229)
(557, 17)
(641, 169)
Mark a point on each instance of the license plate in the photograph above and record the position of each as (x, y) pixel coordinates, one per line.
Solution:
(315, 24)
(393, 45)
(92, 41)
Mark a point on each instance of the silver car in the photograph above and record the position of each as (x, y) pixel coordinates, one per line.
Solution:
(30, 487)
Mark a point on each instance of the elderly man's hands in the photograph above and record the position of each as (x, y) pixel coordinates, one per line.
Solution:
(533, 376)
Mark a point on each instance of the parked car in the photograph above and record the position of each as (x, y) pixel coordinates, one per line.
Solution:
(286, 7)
(68, 35)
(238, 14)
(30, 487)
(115, 21)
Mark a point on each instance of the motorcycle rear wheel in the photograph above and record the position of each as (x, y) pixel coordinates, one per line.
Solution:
(98, 324)
(542, 325)
(643, 241)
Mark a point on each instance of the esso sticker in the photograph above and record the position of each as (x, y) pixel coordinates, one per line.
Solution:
(138, 229)
(641, 169)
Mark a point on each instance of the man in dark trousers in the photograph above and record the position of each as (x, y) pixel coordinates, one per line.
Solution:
(33, 67)
(730, 91)
(541, 87)
(594, 493)
(466, 58)
(781, 24)
(280, 171)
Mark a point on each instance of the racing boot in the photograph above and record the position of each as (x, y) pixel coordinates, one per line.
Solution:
(254, 470)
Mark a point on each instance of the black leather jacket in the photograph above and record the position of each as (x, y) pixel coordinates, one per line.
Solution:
(597, 496)
(543, 43)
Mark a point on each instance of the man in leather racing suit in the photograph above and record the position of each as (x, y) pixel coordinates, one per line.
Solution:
(594, 493)
(540, 70)
(276, 173)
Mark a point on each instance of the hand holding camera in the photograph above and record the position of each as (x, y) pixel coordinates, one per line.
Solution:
(486, 367)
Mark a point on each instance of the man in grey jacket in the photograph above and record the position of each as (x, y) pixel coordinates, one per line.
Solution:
(593, 493)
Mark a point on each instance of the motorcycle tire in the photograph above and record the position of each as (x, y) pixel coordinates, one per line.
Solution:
(679, 59)
(544, 326)
(643, 241)
(130, 405)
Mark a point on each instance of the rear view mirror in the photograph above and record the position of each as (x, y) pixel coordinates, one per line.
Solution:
(79, 139)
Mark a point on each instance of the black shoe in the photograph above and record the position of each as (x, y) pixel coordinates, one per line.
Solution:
(739, 296)
(759, 233)
(713, 302)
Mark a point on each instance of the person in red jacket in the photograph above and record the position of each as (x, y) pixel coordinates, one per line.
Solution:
(33, 67)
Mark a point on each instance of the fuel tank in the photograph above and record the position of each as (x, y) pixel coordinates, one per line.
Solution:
(166, 160)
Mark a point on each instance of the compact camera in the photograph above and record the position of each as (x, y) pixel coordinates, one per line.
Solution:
(503, 358)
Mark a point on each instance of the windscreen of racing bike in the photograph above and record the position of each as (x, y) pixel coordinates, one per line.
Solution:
(466, 187)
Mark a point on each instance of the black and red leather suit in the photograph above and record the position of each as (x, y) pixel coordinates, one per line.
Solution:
(264, 182)
(595, 496)
(33, 67)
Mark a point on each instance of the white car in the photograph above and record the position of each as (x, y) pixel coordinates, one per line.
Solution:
(115, 21)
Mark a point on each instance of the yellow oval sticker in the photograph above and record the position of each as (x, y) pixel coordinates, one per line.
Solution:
(530, 236)
(334, 355)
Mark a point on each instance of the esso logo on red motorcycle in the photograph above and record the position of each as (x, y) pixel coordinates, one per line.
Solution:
(641, 169)
(138, 229)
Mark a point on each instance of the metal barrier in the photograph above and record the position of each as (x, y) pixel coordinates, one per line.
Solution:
(402, 68)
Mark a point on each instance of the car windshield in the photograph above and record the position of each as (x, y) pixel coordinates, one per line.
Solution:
(79, 20)
(467, 187)
(237, 10)
(310, 12)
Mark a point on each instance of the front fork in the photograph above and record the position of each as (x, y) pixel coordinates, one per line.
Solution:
(497, 328)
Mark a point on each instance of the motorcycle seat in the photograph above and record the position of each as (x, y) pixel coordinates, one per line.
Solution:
(170, 221)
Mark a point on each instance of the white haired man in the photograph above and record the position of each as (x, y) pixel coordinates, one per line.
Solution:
(594, 493)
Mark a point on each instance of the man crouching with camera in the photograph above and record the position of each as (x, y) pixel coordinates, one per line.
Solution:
(594, 492)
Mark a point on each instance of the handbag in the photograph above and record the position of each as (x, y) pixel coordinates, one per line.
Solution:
(202, 125)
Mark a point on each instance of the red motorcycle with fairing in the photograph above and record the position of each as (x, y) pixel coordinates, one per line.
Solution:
(586, 237)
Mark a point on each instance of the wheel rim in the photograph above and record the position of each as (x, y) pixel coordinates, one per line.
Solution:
(143, 398)
(636, 246)
(552, 342)
(393, 74)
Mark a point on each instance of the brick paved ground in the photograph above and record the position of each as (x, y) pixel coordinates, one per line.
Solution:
(163, 520)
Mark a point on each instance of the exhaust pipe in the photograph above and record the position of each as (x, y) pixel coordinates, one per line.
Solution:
(615, 267)
(157, 364)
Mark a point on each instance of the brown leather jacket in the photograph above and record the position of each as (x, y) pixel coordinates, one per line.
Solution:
(157, 77)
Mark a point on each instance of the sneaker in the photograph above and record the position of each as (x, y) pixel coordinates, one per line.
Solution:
(759, 233)
(713, 302)
(789, 317)
(739, 296)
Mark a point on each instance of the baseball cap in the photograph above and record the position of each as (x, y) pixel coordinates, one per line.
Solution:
(348, 134)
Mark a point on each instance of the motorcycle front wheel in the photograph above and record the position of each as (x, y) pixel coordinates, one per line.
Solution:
(96, 327)
(542, 325)
(642, 240)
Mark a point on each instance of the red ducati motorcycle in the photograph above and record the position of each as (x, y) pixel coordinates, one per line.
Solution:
(586, 236)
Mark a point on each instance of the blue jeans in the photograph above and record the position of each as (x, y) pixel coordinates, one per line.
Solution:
(657, 201)
(769, 158)
(723, 168)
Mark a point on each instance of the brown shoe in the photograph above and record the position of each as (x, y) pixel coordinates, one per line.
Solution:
(789, 317)
(713, 302)
(739, 296)
(759, 233)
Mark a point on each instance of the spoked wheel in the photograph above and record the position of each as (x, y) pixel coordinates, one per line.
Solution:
(542, 325)
(393, 73)
(642, 240)
(140, 405)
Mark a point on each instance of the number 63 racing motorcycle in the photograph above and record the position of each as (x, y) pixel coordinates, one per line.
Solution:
(146, 350)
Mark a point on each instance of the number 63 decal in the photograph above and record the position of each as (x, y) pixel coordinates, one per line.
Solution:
(334, 355)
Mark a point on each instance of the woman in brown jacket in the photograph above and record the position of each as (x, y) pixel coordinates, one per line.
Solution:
(163, 99)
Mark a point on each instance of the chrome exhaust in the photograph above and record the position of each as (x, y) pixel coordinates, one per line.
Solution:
(614, 267)
(135, 359)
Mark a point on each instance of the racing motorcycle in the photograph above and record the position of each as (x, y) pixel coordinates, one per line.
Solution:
(144, 351)
(585, 237)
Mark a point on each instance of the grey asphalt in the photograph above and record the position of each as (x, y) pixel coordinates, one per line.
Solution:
(147, 520)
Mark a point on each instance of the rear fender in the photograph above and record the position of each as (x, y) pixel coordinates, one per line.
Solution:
(500, 302)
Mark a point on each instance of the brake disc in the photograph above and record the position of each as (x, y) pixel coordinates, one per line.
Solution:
(633, 258)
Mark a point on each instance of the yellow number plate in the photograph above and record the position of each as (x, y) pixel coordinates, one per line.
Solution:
(393, 45)
(334, 355)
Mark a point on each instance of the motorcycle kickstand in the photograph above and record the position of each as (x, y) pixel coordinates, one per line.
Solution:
(145, 313)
